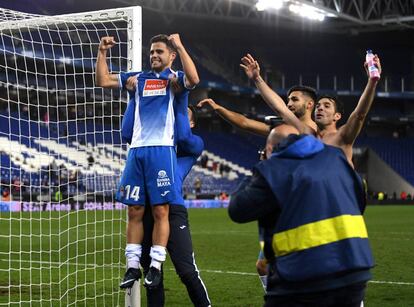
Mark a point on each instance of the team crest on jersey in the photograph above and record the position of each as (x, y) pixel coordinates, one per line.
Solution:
(155, 87)
(163, 180)
(162, 174)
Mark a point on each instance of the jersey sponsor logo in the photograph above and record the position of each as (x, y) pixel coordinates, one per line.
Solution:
(163, 180)
(154, 87)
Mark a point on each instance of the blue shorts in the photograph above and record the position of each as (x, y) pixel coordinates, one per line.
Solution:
(148, 176)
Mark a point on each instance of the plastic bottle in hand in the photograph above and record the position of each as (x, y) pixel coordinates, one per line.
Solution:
(372, 69)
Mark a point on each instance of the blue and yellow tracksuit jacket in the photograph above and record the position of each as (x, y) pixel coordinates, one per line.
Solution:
(320, 234)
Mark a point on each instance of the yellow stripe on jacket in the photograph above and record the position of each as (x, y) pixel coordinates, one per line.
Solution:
(319, 233)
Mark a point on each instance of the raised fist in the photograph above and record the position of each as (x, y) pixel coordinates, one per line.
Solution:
(107, 42)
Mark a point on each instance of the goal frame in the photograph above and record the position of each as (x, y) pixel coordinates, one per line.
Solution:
(133, 18)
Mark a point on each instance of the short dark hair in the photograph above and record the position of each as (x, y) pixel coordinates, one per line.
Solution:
(339, 106)
(194, 111)
(306, 90)
(163, 38)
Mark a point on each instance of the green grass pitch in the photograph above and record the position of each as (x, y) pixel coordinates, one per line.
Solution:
(225, 253)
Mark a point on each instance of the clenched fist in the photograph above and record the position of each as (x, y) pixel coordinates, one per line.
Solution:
(107, 42)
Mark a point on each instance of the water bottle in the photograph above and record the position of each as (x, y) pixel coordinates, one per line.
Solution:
(372, 69)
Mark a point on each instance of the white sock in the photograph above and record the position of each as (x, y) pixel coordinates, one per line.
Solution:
(158, 254)
(156, 264)
(133, 254)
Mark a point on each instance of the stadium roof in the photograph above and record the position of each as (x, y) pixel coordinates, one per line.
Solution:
(350, 16)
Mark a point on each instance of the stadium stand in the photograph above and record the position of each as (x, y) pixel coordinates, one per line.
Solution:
(45, 150)
(396, 152)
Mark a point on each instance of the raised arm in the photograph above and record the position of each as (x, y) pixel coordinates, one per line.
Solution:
(275, 102)
(235, 119)
(190, 71)
(349, 131)
(103, 78)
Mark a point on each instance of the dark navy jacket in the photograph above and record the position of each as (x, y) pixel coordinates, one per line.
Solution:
(317, 239)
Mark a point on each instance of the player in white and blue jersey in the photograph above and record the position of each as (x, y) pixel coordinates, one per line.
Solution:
(148, 126)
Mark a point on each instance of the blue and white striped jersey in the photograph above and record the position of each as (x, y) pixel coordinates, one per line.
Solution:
(149, 118)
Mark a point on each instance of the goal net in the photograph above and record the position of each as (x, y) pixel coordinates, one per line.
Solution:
(62, 235)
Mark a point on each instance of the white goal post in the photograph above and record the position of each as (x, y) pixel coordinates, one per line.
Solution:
(62, 235)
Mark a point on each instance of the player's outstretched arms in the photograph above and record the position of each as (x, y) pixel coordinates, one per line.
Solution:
(252, 69)
(236, 119)
(190, 71)
(349, 132)
(103, 78)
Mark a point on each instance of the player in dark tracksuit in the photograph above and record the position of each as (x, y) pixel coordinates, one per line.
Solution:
(179, 244)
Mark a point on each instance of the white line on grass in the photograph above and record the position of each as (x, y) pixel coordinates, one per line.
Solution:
(225, 272)
(59, 264)
(398, 233)
(224, 232)
(391, 282)
(390, 238)
(254, 274)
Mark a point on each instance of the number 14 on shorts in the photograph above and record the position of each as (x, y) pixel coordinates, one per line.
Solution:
(133, 194)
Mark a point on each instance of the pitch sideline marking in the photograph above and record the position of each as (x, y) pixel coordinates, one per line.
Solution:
(254, 274)
(201, 271)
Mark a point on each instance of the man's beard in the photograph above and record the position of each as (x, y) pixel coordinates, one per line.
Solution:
(299, 113)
